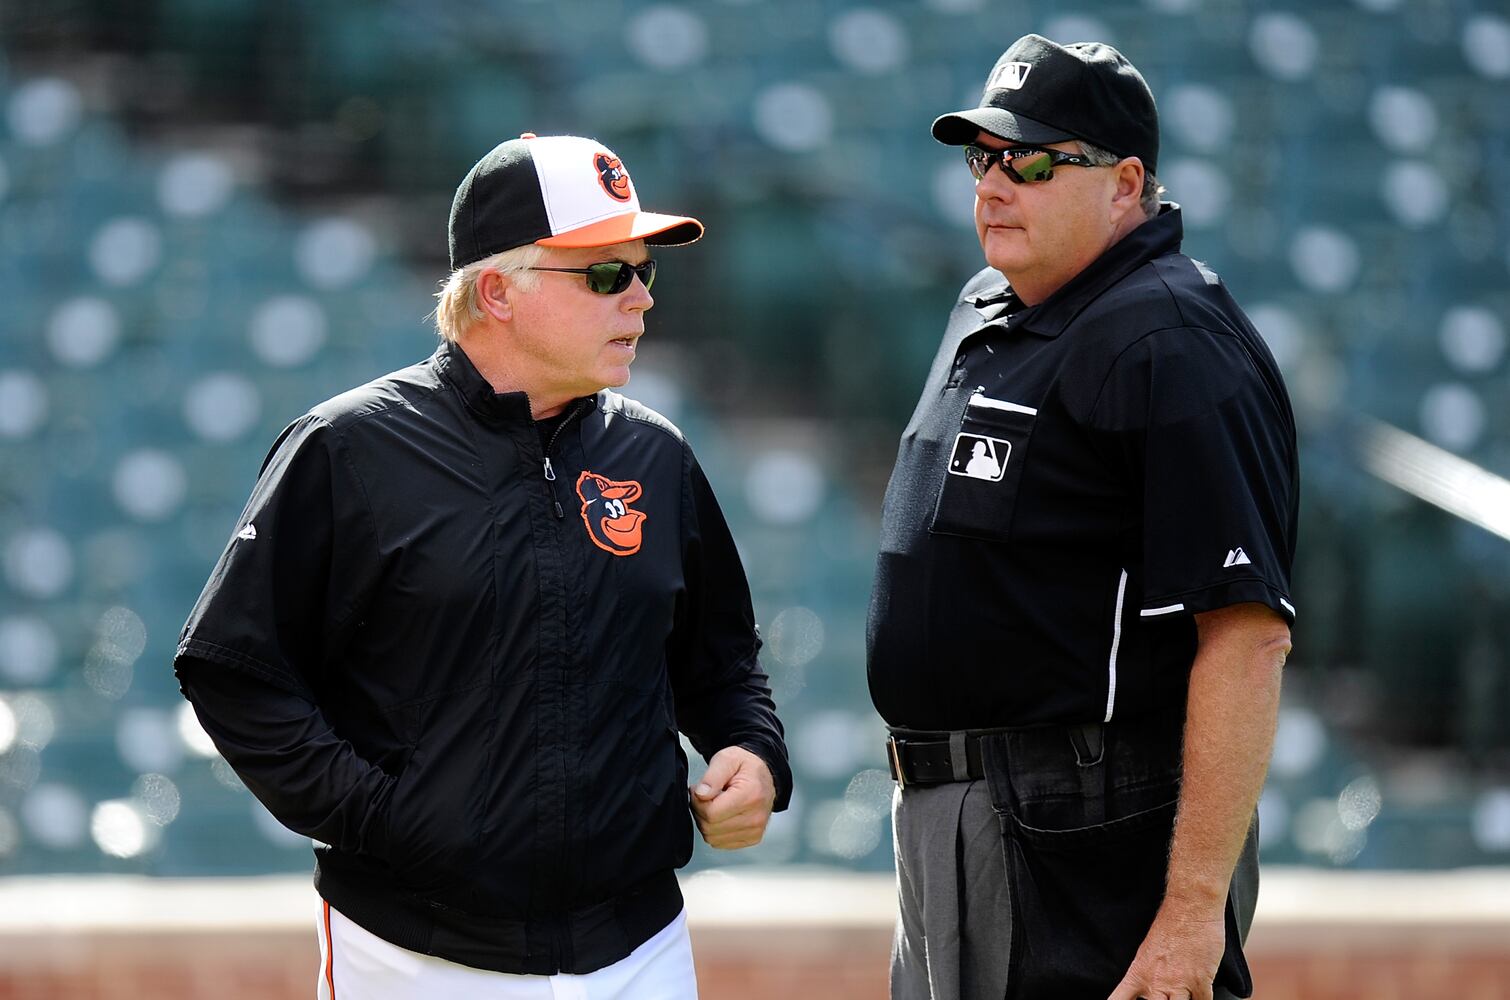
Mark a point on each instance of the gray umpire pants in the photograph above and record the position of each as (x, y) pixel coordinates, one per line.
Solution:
(953, 936)
(951, 880)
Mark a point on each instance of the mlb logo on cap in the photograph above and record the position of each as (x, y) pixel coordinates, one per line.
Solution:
(556, 191)
(1009, 76)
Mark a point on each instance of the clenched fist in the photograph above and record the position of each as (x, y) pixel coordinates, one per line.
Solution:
(733, 799)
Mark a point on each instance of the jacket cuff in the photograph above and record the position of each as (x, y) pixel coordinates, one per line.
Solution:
(781, 771)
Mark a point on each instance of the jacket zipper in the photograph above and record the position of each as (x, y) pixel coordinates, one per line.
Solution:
(550, 473)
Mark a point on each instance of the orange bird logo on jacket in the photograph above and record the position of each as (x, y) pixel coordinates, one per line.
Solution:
(611, 524)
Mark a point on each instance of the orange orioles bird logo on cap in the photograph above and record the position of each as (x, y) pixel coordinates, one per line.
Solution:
(612, 175)
(611, 524)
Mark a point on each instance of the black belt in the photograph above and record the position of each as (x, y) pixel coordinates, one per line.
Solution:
(935, 758)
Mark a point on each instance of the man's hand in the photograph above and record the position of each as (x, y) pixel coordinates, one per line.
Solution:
(1178, 957)
(732, 802)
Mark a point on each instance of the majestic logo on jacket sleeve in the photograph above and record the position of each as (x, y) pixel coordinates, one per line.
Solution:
(612, 175)
(611, 524)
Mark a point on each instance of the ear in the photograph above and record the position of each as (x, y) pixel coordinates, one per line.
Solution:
(1127, 195)
(495, 295)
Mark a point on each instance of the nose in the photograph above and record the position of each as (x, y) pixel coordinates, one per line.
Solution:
(637, 297)
(994, 185)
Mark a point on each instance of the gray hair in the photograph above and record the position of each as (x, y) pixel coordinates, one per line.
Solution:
(1149, 200)
(456, 306)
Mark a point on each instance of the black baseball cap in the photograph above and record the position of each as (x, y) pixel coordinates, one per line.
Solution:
(1041, 91)
(555, 191)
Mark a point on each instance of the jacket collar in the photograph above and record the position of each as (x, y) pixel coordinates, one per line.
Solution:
(477, 392)
(1158, 236)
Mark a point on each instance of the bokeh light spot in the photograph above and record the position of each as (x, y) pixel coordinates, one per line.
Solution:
(668, 37)
(785, 486)
(157, 797)
(868, 41)
(23, 403)
(194, 184)
(55, 816)
(150, 485)
(120, 829)
(287, 330)
(125, 251)
(38, 562)
(83, 331)
(793, 117)
(28, 650)
(335, 253)
(222, 406)
(41, 112)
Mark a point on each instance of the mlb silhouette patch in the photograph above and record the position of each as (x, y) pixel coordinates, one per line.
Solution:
(612, 524)
(979, 457)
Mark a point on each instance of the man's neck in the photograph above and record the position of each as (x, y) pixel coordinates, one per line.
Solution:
(495, 367)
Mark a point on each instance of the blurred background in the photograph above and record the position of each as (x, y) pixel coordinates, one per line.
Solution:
(216, 213)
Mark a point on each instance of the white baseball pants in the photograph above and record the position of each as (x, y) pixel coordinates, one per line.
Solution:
(358, 965)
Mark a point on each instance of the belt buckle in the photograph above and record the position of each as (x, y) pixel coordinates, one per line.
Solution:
(895, 756)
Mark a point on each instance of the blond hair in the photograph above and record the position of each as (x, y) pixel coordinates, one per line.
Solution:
(456, 307)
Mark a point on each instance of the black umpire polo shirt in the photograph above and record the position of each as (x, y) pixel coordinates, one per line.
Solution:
(1078, 480)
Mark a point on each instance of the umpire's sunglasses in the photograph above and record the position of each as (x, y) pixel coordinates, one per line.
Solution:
(611, 277)
(1023, 164)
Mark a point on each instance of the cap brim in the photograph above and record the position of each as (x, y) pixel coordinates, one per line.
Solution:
(655, 229)
(962, 127)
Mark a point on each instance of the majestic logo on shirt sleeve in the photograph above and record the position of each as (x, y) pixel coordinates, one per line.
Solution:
(613, 176)
(611, 524)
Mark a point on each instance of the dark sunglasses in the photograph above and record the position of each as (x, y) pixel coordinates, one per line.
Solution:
(1023, 164)
(611, 277)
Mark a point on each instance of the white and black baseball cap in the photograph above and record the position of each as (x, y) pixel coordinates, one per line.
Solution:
(556, 191)
(1040, 91)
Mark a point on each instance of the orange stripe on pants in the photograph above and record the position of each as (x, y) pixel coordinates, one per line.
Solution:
(330, 956)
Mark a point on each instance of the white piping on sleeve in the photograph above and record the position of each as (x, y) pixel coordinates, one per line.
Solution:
(1111, 663)
(1288, 606)
(1167, 609)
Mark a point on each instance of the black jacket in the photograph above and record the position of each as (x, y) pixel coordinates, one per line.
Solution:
(461, 666)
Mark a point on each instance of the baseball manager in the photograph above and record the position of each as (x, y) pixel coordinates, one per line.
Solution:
(468, 608)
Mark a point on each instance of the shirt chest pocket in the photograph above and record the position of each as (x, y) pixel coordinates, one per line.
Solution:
(984, 470)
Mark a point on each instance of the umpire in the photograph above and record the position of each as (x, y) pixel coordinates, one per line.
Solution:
(467, 609)
(1081, 605)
